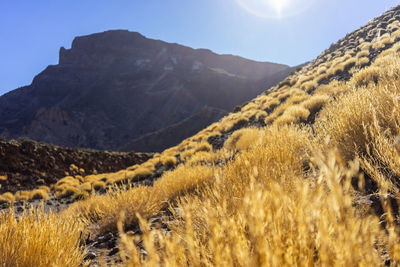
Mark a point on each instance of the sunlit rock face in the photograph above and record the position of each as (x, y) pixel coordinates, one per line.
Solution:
(113, 87)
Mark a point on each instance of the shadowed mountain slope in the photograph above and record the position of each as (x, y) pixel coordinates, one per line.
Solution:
(116, 86)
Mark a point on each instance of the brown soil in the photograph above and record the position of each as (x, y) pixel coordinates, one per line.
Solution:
(28, 164)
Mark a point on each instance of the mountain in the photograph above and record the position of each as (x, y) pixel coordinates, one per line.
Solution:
(173, 134)
(117, 86)
(305, 173)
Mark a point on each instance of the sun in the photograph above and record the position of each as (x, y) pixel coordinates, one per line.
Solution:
(275, 8)
(279, 5)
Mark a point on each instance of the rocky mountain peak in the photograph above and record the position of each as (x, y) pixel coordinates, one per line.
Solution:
(113, 87)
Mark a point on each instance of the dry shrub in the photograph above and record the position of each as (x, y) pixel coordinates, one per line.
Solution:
(293, 114)
(22, 195)
(66, 191)
(344, 120)
(382, 42)
(250, 218)
(68, 180)
(362, 61)
(169, 161)
(86, 187)
(99, 185)
(101, 212)
(45, 188)
(141, 172)
(366, 76)
(39, 239)
(203, 146)
(332, 89)
(39, 194)
(298, 96)
(132, 168)
(363, 53)
(187, 154)
(243, 139)
(7, 198)
(315, 103)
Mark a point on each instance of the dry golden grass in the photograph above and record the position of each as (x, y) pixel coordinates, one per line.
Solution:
(39, 239)
(346, 120)
(39, 194)
(297, 96)
(382, 42)
(289, 214)
(104, 210)
(293, 114)
(316, 102)
(45, 188)
(22, 195)
(267, 225)
(281, 195)
(243, 139)
(7, 198)
(66, 191)
(169, 161)
(203, 146)
(99, 185)
(86, 187)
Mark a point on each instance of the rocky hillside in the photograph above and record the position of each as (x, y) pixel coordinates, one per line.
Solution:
(173, 134)
(310, 167)
(117, 86)
(26, 164)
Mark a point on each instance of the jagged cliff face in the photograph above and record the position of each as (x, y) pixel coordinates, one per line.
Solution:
(114, 87)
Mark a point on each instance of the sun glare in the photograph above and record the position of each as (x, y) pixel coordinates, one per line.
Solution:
(279, 5)
(275, 8)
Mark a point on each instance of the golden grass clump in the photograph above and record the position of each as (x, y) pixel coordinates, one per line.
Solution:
(132, 168)
(362, 61)
(22, 195)
(45, 188)
(187, 154)
(332, 89)
(293, 114)
(68, 180)
(99, 185)
(66, 191)
(298, 96)
(315, 103)
(86, 187)
(344, 120)
(362, 53)
(366, 76)
(39, 239)
(203, 146)
(382, 42)
(317, 223)
(142, 172)
(7, 198)
(104, 210)
(243, 139)
(74, 167)
(39, 194)
(169, 161)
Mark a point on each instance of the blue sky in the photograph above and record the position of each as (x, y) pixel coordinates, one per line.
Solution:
(33, 31)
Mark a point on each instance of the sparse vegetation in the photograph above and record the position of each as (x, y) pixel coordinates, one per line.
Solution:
(305, 174)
